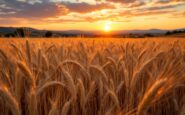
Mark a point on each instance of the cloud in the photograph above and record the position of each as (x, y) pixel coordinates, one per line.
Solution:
(163, 7)
(32, 11)
(137, 4)
(122, 1)
(168, 1)
(138, 13)
(11, 21)
(183, 13)
(85, 7)
(47, 8)
(128, 3)
(25, 9)
(149, 13)
(30, 1)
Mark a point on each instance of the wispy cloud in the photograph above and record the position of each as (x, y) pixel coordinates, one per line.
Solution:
(85, 7)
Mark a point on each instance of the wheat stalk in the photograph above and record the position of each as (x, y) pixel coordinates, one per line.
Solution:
(3, 54)
(28, 51)
(29, 76)
(48, 85)
(100, 70)
(66, 108)
(81, 92)
(70, 84)
(91, 92)
(149, 96)
(10, 100)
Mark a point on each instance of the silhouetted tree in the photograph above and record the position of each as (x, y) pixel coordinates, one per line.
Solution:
(175, 32)
(48, 34)
(148, 35)
(168, 33)
(20, 32)
(9, 35)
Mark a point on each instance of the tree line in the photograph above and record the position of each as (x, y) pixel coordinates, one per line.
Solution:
(25, 32)
(175, 32)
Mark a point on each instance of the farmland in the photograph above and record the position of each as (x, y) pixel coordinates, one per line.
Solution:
(92, 76)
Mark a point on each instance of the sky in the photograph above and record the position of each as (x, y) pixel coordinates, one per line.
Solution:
(93, 14)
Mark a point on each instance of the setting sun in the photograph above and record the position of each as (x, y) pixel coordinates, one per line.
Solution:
(107, 28)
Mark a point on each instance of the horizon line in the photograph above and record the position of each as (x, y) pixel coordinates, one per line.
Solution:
(88, 30)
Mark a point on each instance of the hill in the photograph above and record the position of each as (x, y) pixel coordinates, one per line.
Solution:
(75, 33)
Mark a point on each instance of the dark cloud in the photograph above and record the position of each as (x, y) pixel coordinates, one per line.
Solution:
(40, 10)
(47, 8)
(25, 9)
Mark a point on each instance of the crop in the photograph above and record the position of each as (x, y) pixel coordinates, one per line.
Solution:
(92, 77)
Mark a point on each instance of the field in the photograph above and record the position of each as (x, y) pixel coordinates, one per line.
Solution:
(92, 76)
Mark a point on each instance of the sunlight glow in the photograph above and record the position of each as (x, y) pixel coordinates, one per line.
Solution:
(107, 28)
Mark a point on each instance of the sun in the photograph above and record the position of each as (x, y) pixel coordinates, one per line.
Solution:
(107, 28)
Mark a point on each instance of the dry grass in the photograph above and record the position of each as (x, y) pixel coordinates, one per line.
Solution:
(92, 77)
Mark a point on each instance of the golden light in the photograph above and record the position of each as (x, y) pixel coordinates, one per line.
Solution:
(107, 28)
(107, 25)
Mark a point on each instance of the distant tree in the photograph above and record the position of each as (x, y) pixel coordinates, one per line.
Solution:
(9, 35)
(20, 32)
(148, 35)
(48, 34)
(175, 31)
(168, 33)
(12, 35)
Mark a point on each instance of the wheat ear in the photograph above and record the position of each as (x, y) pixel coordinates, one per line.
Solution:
(28, 51)
(150, 94)
(66, 108)
(10, 100)
(49, 84)
(29, 76)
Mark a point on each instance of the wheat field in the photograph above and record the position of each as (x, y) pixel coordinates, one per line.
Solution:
(92, 76)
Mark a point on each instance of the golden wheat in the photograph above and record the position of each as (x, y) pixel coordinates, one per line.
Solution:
(92, 77)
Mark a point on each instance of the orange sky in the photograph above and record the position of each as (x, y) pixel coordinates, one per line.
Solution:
(93, 14)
